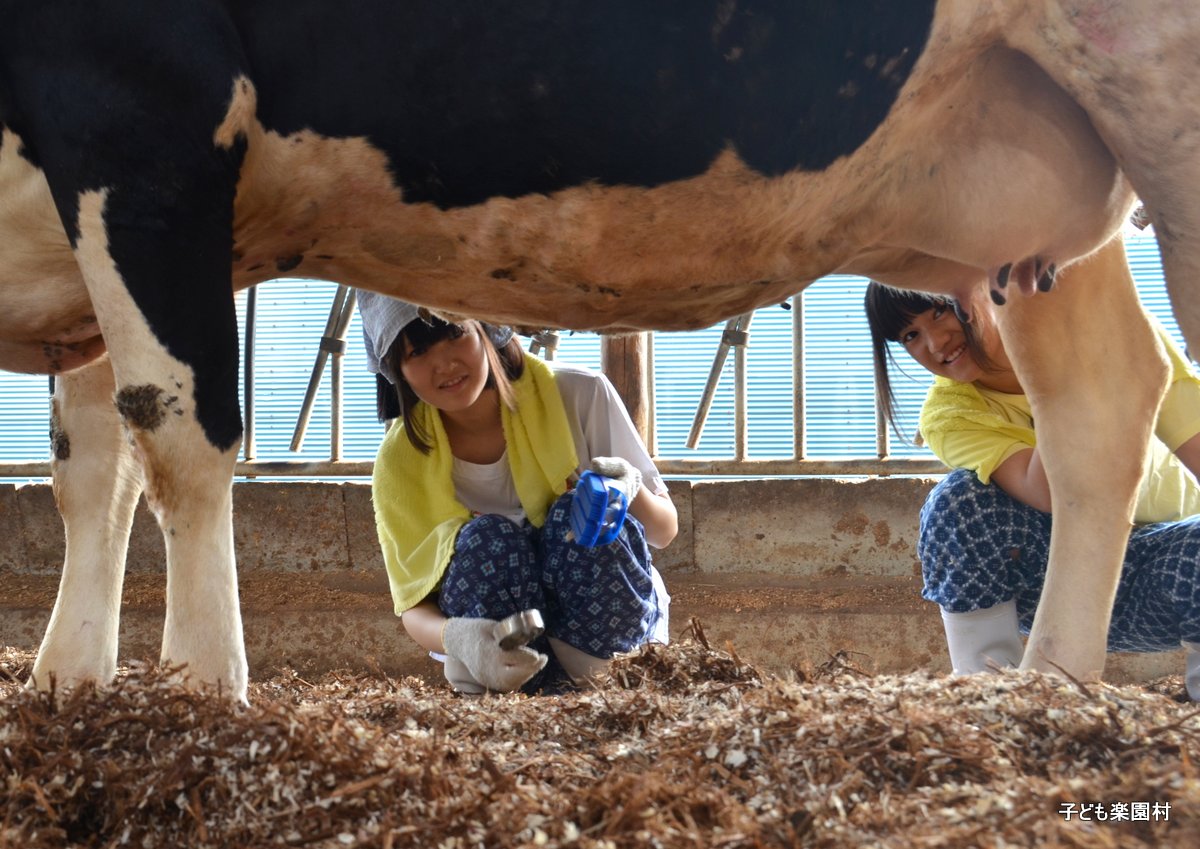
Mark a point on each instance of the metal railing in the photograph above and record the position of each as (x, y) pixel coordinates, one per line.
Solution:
(734, 338)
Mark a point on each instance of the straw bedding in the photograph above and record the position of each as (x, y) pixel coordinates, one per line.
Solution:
(680, 746)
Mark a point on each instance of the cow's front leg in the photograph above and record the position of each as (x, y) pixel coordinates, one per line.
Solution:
(96, 487)
(1095, 374)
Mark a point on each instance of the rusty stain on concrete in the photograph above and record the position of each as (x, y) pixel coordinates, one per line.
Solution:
(853, 523)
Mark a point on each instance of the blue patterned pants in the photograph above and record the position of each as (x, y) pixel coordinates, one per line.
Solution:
(600, 600)
(979, 547)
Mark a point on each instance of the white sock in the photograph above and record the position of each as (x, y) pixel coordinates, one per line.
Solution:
(460, 677)
(580, 665)
(981, 639)
(1192, 677)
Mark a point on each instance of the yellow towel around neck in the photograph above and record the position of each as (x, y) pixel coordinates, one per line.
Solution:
(417, 514)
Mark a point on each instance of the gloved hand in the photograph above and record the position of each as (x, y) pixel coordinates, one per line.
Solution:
(474, 642)
(620, 470)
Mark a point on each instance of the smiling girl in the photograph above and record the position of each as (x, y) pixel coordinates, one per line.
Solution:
(985, 528)
(472, 498)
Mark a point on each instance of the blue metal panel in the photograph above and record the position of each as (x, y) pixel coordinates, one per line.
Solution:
(24, 417)
(291, 316)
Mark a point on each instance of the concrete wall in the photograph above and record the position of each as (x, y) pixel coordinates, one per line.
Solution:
(787, 572)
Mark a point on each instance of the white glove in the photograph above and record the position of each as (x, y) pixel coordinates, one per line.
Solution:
(475, 644)
(620, 470)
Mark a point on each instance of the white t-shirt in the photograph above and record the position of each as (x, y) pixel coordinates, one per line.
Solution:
(600, 427)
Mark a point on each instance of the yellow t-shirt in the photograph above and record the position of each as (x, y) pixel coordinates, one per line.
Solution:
(969, 427)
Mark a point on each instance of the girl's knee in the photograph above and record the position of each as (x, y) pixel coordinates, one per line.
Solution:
(978, 547)
(488, 528)
(558, 518)
(493, 571)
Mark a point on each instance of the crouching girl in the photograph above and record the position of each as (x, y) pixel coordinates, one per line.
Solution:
(985, 529)
(472, 493)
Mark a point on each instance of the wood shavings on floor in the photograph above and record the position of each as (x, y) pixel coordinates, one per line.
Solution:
(680, 746)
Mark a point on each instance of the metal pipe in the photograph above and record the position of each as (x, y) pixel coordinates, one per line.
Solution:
(335, 411)
(740, 434)
(248, 446)
(882, 442)
(735, 333)
(860, 466)
(545, 341)
(799, 438)
(850, 466)
(336, 380)
(329, 343)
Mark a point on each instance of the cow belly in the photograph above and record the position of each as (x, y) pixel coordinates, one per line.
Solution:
(50, 358)
(47, 325)
(933, 200)
(998, 167)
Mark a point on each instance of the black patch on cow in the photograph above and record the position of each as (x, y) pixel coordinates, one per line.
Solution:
(287, 263)
(142, 407)
(1046, 280)
(484, 98)
(60, 443)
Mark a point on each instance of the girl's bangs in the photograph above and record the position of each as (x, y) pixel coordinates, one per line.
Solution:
(424, 333)
(892, 310)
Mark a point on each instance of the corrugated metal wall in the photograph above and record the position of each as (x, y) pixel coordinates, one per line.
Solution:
(840, 415)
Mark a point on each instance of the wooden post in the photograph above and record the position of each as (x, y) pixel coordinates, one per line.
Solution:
(623, 361)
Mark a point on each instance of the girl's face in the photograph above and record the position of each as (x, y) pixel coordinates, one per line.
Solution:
(935, 339)
(450, 374)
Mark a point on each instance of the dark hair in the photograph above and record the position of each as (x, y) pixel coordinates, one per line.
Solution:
(506, 363)
(889, 312)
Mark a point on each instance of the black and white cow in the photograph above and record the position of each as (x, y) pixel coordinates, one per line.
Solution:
(610, 166)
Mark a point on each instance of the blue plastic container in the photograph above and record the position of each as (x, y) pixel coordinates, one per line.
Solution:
(597, 510)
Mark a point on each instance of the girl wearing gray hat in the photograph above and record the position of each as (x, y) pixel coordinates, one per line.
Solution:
(472, 491)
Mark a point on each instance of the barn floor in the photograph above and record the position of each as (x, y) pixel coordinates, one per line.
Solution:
(680, 747)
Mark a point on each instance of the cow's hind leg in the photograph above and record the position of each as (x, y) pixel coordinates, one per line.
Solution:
(143, 168)
(1095, 375)
(1134, 69)
(96, 487)
(184, 426)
